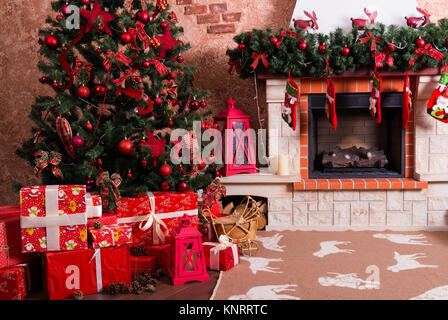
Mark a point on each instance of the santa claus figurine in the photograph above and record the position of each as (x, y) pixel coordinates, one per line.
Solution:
(442, 102)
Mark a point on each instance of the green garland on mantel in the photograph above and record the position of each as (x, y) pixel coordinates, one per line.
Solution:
(289, 57)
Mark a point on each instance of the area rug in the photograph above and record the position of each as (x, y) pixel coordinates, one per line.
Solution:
(348, 265)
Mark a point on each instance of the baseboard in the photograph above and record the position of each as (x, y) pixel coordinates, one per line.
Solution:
(356, 228)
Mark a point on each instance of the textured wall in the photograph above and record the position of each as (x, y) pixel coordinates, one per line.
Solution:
(21, 19)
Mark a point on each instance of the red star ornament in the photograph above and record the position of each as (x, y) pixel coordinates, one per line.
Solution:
(157, 146)
(92, 16)
(166, 42)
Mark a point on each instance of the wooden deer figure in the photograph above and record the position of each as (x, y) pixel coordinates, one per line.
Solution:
(361, 23)
(417, 22)
(307, 25)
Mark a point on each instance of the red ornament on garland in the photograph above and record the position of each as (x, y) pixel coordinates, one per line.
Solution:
(165, 170)
(158, 101)
(182, 186)
(421, 43)
(181, 169)
(164, 25)
(92, 15)
(125, 147)
(144, 162)
(99, 51)
(64, 49)
(51, 41)
(55, 85)
(273, 40)
(241, 47)
(143, 16)
(346, 51)
(391, 47)
(83, 92)
(89, 126)
(203, 104)
(147, 64)
(165, 186)
(78, 142)
(130, 174)
(180, 59)
(322, 48)
(170, 123)
(194, 105)
(303, 46)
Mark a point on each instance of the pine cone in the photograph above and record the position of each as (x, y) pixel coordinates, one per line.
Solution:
(159, 273)
(78, 295)
(114, 288)
(98, 225)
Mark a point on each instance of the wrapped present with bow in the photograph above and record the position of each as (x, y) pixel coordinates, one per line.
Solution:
(153, 215)
(88, 271)
(53, 218)
(18, 281)
(110, 236)
(222, 255)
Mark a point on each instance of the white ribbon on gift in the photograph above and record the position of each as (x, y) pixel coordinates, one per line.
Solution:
(224, 243)
(98, 271)
(52, 221)
(112, 233)
(93, 211)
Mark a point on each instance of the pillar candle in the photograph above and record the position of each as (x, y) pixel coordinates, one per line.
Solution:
(283, 165)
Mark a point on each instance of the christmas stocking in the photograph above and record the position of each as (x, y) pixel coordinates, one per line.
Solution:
(375, 96)
(330, 104)
(438, 103)
(290, 106)
(407, 101)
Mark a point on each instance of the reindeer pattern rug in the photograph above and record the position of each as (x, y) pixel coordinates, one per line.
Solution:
(317, 265)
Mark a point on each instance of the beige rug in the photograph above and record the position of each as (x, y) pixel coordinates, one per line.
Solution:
(314, 265)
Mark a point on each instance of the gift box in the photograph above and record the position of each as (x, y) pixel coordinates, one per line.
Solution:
(110, 236)
(94, 205)
(154, 215)
(18, 281)
(88, 271)
(53, 218)
(10, 242)
(143, 263)
(162, 253)
(221, 257)
(109, 218)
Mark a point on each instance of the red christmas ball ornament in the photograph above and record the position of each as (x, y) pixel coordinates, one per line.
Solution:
(147, 64)
(421, 43)
(144, 162)
(202, 165)
(125, 147)
(391, 47)
(164, 25)
(85, 2)
(203, 104)
(55, 85)
(165, 186)
(182, 186)
(83, 92)
(303, 46)
(170, 123)
(322, 48)
(59, 17)
(273, 40)
(346, 51)
(99, 91)
(158, 101)
(204, 126)
(181, 169)
(129, 174)
(125, 38)
(143, 16)
(89, 126)
(165, 170)
(241, 47)
(194, 105)
(99, 51)
(180, 59)
(44, 79)
(51, 41)
(66, 11)
(64, 49)
(100, 28)
(78, 142)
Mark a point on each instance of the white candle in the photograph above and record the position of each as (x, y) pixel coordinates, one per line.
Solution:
(283, 165)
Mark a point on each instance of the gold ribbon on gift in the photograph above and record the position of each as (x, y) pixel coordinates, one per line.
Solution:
(153, 220)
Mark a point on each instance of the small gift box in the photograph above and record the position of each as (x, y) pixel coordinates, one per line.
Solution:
(18, 281)
(94, 205)
(154, 215)
(110, 236)
(143, 263)
(88, 271)
(53, 218)
(109, 218)
(221, 256)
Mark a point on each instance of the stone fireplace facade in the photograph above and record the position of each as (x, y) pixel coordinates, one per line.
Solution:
(418, 200)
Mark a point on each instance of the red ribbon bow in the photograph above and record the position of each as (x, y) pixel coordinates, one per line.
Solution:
(170, 89)
(257, 57)
(109, 184)
(290, 33)
(140, 32)
(429, 50)
(128, 73)
(119, 57)
(369, 36)
(43, 159)
(160, 67)
(383, 56)
(234, 64)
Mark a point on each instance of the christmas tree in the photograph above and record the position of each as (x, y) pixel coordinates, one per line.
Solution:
(121, 88)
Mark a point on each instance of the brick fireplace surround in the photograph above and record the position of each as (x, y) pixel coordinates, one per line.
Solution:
(417, 201)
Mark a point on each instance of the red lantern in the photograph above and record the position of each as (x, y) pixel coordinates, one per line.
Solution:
(189, 260)
(239, 151)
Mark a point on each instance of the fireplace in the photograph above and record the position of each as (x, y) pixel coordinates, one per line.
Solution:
(356, 129)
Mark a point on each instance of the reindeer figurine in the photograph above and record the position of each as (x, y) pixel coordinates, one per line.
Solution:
(307, 25)
(361, 23)
(417, 22)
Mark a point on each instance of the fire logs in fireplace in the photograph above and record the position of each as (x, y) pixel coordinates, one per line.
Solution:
(354, 157)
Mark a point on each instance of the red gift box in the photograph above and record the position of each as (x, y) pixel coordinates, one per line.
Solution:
(163, 255)
(154, 215)
(18, 281)
(10, 243)
(110, 236)
(88, 271)
(220, 257)
(53, 218)
(143, 263)
(109, 218)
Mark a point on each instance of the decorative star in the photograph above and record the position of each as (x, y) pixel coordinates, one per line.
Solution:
(92, 16)
(157, 145)
(166, 42)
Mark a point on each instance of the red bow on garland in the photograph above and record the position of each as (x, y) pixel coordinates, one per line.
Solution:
(257, 57)
(119, 57)
(43, 159)
(429, 50)
(374, 40)
(109, 184)
(290, 33)
(140, 32)
(383, 56)
(160, 67)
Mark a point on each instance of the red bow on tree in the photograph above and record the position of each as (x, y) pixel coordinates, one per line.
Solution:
(127, 75)
(429, 50)
(290, 33)
(109, 187)
(170, 88)
(43, 159)
(140, 32)
(119, 57)
(257, 57)
(369, 36)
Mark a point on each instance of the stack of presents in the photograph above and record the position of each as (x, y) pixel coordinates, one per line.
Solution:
(60, 239)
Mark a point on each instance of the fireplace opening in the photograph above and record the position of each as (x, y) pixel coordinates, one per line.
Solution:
(359, 148)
